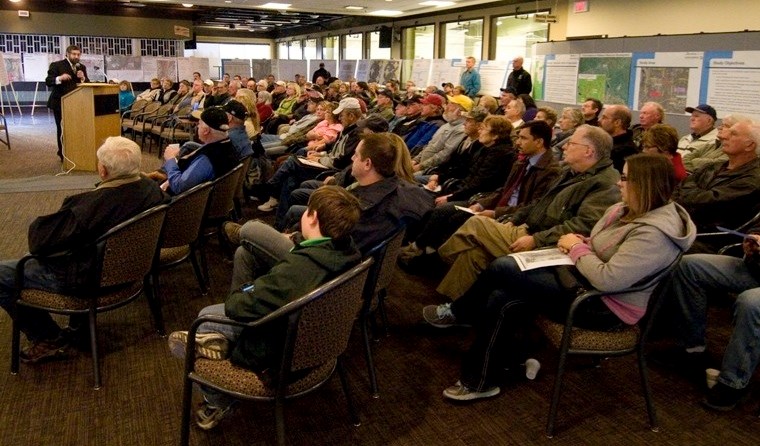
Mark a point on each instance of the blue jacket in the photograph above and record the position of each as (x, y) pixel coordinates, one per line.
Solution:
(471, 82)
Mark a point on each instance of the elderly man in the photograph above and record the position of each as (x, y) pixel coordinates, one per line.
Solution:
(704, 135)
(432, 120)
(234, 87)
(82, 218)
(444, 141)
(412, 116)
(506, 96)
(519, 79)
(726, 194)
(470, 78)
(198, 95)
(709, 154)
(650, 113)
(591, 109)
(585, 189)
(615, 120)
(278, 94)
(514, 112)
(213, 159)
(384, 105)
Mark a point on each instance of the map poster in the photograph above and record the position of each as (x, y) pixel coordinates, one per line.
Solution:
(362, 70)
(381, 71)
(95, 64)
(537, 74)
(241, 67)
(605, 77)
(493, 76)
(560, 78)
(11, 69)
(419, 71)
(260, 68)
(289, 68)
(732, 83)
(127, 68)
(446, 70)
(671, 79)
(186, 66)
(347, 70)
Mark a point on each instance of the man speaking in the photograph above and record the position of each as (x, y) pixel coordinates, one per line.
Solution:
(63, 77)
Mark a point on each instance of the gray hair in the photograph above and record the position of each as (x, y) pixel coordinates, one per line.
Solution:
(658, 108)
(265, 97)
(520, 106)
(730, 120)
(120, 156)
(754, 135)
(574, 115)
(598, 139)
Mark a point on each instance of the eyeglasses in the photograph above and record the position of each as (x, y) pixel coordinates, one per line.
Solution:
(623, 177)
(571, 143)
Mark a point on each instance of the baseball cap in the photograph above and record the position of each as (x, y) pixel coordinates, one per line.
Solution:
(216, 118)
(447, 84)
(388, 94)
(479, 114)
(413, 100)
(347, 103)
(208, 82)
(509, 90)
(236, 109)
(703, 108)
(434, 99)
(281, 83)
(374, 123)
(462, 101)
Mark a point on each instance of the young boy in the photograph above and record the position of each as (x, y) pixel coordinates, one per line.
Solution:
(327, 251)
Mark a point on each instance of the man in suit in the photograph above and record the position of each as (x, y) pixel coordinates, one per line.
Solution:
(63, 77)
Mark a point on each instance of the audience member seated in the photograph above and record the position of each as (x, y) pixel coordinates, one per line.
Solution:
(264, 105)
(726, 194)
(384, 105)
(585, 188)
(153, 92)
(278, 93)
(591, 109)
(506, 96)
(82, 218)
(284, 111)
(432, 119)
(703, 134)
(699, 275)
(184, 96)
(126, 96)
(213, 159)
(548, 115)
(399, 116)
(276, 145)
(514, 112)
(326, 131)
(528, 179)
(633, 242)
(444, 141)
(663, 139)
(325, 252)
(709, 154)
(489, 103)
(412, 117)
(650, 113)
(570, 120)
(615, 120)
(167, 91)
(530, 107)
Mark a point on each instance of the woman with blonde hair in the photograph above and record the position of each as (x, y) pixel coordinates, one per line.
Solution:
(284, 112)
(252, 124)
(326, 131)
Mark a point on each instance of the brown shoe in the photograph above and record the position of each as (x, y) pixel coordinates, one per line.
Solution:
(231, 232)
(46, 350)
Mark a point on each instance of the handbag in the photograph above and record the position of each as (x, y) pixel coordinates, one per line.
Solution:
(571, 280)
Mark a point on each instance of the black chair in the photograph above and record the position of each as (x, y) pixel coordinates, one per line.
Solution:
(125, 258)
(4, 128)
(318, 328)
(380, 275)
(571, 340)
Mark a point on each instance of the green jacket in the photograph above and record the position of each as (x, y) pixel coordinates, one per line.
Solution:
(306, 267)
(573, 203)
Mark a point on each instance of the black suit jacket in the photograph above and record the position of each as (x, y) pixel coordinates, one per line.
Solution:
(57, 91)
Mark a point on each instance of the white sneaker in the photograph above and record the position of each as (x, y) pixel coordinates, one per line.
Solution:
(269, 206)
(460, 392)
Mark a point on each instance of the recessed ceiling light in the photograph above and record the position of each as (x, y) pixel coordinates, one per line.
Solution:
(15, 1)
(227, 1)
(355, 8)
(187, 5)
(436, 3)
(386, 12)
(276, 5)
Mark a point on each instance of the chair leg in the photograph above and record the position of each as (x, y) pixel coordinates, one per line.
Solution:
(352, 412)
(279, 419)
(556, 393)
(151, 293)
(647, 391)
(364, 321)
(381, 309)
(94, 348)
(204, 263)
(197, 269)
(187, 399)
(15, 345)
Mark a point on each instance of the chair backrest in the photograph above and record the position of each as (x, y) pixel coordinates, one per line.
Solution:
(385, 254)
(321, 330)
(185, 216)
(129, 248)
(165, 109)
(241, 178)
(149, 111)
(221, 201)
(138, 105)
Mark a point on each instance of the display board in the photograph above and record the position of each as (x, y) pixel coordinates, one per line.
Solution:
(241, 67)
(261, 68)
(287, 69)
(347, 70)
(11, 68)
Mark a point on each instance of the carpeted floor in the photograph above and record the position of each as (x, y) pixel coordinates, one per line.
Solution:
(139, 404)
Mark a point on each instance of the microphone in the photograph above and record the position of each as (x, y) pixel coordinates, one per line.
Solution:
(77, 66)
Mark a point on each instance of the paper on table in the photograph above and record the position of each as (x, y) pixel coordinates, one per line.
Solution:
(540, 258)
(464, 209)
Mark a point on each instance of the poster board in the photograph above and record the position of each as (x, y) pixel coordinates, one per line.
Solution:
(186, 66)
(159, 67)
(36, 66)
(288, 69)
(347, 70)
(261, 68)
(240, 67)
(11, 68)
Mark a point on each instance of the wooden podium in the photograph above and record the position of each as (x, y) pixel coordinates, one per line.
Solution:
(90, 114)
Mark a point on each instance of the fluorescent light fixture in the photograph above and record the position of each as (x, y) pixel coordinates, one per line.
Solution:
(187, 5)
(386, 13)
(355, 8)
(436, 3)
(275, 5)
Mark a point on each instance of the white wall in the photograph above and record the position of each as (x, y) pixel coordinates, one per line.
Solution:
(618, 18)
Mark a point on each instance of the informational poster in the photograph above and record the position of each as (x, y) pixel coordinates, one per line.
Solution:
(671, 79)
(420, 71)
(561, 78)
(347, 70)
(605, 77)
(446, 70)
(127, 68)
(493, 75)
(537, 75)
(186, 66)
(362, 70)
(160, 67)
(381, 71)
(261, 68)
(237, 67)
(274, 68)
(11, 69)
(289, 68)
(406, 70)
(36, 65)
(731, 82)
(95, 64)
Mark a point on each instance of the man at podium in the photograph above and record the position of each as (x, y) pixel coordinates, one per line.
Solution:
(63, 77)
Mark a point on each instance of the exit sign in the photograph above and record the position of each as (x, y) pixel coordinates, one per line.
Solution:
(580, 6)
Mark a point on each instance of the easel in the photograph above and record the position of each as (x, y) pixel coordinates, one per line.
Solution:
(4, 88)
(34, 99)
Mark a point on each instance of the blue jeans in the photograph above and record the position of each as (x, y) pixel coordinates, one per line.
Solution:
(699, 274)
(231, 332)
(36, 324)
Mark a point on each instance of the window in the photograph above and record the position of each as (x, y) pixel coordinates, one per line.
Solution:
(294, 50)
(418, 42)
(514, 37)
(352, 49)
(244, 51)
(282, 50)
(375, 52)
(310, 49)
(464, 39)
(330, 47)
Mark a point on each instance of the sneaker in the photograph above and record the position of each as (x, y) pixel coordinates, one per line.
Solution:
(460, 392)
(269, 206)
(208, 416)
(46, 350)
(440, 316)
(723, 398)
(207, 345)
(231, 232)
